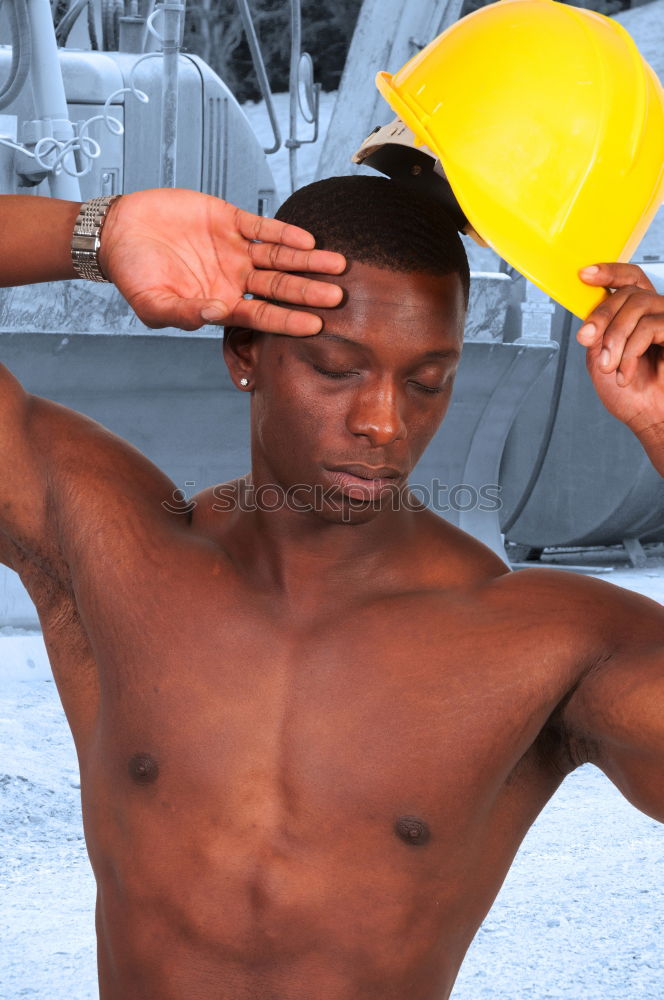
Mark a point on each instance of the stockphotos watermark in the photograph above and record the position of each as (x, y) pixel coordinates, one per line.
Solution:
(304, 498)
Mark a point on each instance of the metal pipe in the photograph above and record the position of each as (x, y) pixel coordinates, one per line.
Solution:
(293, 88)
(259, 66)
(67, 22)
(171, 31)
(92, 27)
(109, 16)
(20, 37)
(49, 90)
(554, 406)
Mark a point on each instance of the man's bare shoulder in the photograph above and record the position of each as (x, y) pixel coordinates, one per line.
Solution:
(83, 450)
(588, 610)
(91, 483)
(453, 557)
(572, 606)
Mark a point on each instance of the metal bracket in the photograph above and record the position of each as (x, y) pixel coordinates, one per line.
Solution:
(635, 551)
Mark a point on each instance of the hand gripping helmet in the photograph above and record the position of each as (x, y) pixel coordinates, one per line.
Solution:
(550, 129)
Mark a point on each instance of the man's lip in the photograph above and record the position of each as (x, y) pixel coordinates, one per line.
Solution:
(367, 471)
(362, 482)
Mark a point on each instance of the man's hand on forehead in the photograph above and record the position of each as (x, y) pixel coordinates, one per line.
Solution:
(281, 298)
(334, 299)
(183, 259)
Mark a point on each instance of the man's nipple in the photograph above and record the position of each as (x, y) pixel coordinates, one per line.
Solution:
(143, 768)
(412, 830)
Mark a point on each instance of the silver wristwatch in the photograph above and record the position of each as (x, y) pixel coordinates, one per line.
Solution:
(85, 242)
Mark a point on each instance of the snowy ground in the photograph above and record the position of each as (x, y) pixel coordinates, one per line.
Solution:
(579, 918)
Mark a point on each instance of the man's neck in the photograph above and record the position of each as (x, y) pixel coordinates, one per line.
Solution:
(303, 557)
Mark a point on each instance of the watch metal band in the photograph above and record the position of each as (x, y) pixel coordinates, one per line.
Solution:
(86, 238)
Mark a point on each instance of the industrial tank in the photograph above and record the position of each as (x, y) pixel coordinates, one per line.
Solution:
(571, 474)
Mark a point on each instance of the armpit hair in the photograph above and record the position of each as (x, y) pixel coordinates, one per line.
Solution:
(564, 747)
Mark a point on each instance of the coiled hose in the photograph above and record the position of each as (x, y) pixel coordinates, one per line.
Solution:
(21, 40)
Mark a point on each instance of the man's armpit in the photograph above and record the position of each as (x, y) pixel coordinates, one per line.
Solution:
(617, 713)
(563, 746)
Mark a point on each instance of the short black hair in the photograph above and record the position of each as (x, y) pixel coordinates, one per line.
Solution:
(381, 222)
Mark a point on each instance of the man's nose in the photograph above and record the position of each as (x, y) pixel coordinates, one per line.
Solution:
(376, 413)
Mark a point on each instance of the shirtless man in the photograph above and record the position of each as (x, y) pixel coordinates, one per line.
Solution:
(312, 737)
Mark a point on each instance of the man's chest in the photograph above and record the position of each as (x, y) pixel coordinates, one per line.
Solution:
(231, 740)
(391, 707)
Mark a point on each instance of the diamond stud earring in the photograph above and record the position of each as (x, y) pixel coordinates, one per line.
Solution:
(244, 381)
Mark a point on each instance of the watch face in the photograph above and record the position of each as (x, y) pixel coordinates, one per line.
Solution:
(86, 242)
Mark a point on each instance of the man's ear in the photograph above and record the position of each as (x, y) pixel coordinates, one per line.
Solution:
(241, 354)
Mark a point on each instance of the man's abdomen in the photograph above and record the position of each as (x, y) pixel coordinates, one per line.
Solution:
(196, 904)
(214, 890)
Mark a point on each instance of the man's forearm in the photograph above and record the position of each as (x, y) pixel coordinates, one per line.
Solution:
(35, 239)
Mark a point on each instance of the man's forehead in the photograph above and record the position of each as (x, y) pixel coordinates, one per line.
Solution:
(428, 307)
(442, 352)
(369, 281)
(368, 287)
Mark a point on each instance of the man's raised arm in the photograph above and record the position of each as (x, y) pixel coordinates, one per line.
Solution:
(624, 338)
(615, 716)
(180, 258)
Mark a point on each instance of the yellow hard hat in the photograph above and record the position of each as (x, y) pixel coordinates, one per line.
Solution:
(550, 128)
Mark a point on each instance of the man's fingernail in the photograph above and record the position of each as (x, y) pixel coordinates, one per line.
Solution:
(593, 269)
(620, 378)
(587, 331)
(604, 357)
